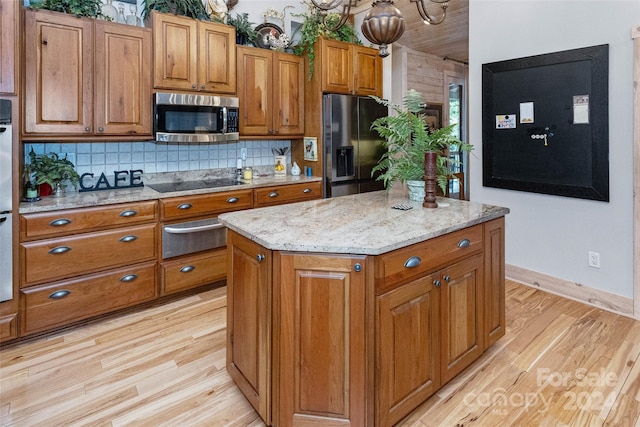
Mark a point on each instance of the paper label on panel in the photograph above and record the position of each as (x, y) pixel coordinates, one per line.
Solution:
(581, 109)
(506, 121)
(526, 112)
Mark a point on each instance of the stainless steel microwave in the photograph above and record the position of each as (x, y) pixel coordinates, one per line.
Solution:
(180, 117)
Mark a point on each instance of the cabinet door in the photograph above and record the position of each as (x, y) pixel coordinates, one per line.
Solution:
(461, 316)
(494, 292)
(407, 349)
(122, 67)
(320, 310)
(216, 57)
(175, 41)
(367, 71)
(288, 96)
(249, 329)
(8, 42)
(337, 72)
(58, 73)
(255, 89)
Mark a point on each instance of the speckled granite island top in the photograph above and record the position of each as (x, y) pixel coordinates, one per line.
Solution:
(357, 224)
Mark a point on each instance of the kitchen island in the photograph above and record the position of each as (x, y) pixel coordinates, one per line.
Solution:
(349, 312)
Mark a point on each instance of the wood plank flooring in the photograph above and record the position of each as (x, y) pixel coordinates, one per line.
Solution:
(561, 363)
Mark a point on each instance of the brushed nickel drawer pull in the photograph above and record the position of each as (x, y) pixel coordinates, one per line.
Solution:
(60, 294)
(128, 278)
(274, 194)
(306, 190)
(127, 239)
(259, 257)
(60, 222)
(185, 206)
(187, 269)
(59, 250)
(127, 214)
(233, 200)
(464, 243)
(414, 261)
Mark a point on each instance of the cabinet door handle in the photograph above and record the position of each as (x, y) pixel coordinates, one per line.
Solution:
(132, 132)
(464, 243)
(60, 222)
(127, 214)
(447, 278)
(233, 200)
(306, 190)
(193, 86)
(185, 206)
(273, 194)
(127, 239)
(357, 267)
(60, 294)
(187, 269)
(59, 250)
(259, 257)
(413, 261)
(128, 278)
(202, 87)
(87, 129)
(437, 283)
(100, 129)
(44, 42)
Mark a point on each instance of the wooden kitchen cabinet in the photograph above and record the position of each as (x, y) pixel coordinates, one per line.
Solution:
(279, 194)
(9, 18)
(349, 68)
(85, 77)
(76, 264)
(192, 271)
(193, 55)
(203, 205)
(249, 326)
(271, 93)
(494, 274)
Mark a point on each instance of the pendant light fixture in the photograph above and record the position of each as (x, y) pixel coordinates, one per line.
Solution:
(383, 24)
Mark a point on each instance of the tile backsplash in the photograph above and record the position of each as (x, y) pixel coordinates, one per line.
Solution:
(157, 157)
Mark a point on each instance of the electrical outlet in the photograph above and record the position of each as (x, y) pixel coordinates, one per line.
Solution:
(243, 153)
(594, 259)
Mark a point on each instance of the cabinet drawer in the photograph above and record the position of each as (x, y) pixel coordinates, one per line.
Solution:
(395, 267)
(58, 304)
(53, 259)
(193, 271)
(213, 203)
(276, 195)
(82, 220)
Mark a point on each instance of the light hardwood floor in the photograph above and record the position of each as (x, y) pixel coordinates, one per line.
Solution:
(560, 363)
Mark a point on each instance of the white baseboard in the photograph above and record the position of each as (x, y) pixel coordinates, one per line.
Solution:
(575, 291)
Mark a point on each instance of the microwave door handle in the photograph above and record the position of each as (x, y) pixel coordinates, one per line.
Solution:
(224, 119)
(185, 230)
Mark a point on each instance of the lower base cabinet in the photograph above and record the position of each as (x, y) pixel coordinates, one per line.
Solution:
(189, 272)
(349, 340)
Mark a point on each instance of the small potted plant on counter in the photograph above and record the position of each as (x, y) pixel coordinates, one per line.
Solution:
(51, 170)
(407, 138)
(245, 32)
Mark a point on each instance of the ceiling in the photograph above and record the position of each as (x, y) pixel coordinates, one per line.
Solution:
(450, 38)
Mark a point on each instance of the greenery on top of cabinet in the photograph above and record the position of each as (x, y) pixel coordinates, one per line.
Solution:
(90, 8)
(192, 8)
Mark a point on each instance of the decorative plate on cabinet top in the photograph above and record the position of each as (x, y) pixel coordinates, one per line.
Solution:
(265, 32)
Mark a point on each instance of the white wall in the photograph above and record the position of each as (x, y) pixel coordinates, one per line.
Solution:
(552, 234)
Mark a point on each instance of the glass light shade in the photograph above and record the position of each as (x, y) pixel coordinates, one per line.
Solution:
(383, 24)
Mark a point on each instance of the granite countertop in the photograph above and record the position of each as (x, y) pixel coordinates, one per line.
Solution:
(357, 224)
(75, 199)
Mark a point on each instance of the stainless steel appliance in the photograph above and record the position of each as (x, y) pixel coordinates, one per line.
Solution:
(180, 117)
(351, 148)
(6, 208)
(192, 236)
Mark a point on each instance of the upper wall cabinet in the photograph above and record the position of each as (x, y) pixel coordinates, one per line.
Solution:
(351, 69)
(85, 77)
(193, 55)
(271, 92)
(8, 41)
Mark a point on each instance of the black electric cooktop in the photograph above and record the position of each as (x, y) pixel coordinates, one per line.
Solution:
(169, 187)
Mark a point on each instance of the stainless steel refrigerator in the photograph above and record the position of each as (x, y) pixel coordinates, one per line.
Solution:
(351, 148)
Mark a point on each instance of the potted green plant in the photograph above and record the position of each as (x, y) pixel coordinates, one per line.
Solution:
(51, 169)
(192, 8)
(245, 32)
(407, 138)
(312, 28)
